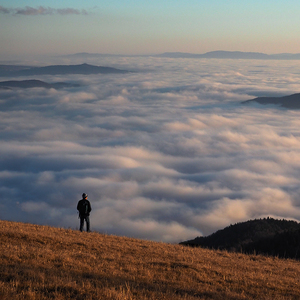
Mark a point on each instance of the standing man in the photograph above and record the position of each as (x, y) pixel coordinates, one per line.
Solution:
(84, 208)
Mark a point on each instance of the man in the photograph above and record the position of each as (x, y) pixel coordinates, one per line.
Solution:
(84, 208)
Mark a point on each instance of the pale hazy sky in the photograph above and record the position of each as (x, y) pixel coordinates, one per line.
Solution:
(145, 27)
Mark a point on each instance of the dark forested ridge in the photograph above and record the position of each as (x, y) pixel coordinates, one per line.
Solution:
(263, 236)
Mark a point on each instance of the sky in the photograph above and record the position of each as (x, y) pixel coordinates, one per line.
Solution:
(165, 153)
(147, 27)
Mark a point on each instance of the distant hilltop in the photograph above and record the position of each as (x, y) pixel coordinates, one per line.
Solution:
(290, 101)
(264, 236)
(83, 69)
(232, 55)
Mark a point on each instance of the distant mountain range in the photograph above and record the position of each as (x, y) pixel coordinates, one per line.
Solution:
(25, 84)
(264, 236)
(291, 101)
(232, 55)
(213, 54)
(84, 69)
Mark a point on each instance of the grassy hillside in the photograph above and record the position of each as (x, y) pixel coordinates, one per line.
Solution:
(39, 262)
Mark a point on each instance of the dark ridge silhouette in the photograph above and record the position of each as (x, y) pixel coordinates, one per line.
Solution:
(264, 236)
(84, 69)
(11, 68)
(25, 84)
(291, 101)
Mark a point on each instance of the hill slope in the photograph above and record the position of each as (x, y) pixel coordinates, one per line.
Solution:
(39, 262)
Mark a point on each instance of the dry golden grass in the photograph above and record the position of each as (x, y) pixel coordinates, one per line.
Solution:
(40, 262)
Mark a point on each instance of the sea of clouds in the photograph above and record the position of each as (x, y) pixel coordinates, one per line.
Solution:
(166, 152)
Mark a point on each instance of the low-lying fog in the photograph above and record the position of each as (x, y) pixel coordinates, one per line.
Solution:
(165, 153)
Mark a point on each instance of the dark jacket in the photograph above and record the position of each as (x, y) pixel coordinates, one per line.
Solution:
(84, 207)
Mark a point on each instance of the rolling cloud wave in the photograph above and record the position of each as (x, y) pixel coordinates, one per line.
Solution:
(168, 154)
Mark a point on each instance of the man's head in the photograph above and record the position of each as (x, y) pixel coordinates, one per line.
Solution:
(84, 196)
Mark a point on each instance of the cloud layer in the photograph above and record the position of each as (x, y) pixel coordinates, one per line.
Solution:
(167, 153)
(41, 10)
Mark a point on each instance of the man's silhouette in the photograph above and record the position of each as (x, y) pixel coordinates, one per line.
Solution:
(84, 209)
